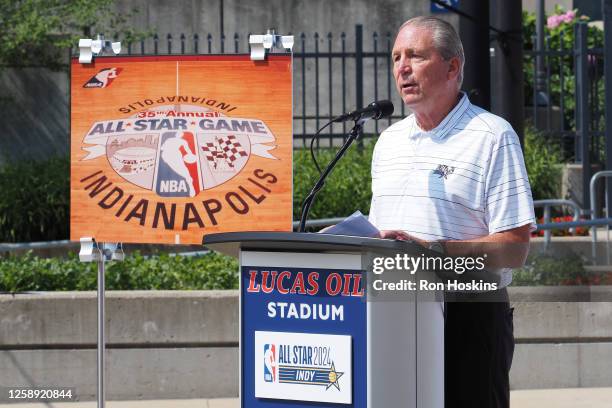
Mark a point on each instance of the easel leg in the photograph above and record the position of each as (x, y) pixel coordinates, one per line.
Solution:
(100, 362)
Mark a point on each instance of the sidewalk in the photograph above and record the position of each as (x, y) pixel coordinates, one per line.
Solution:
(554, 398)
(562, 398)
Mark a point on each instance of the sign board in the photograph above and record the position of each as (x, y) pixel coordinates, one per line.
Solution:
(167, 149)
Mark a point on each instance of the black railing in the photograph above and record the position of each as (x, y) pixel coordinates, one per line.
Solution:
(333, 74)
(565, 100)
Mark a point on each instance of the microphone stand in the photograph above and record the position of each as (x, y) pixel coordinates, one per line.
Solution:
(353, 134)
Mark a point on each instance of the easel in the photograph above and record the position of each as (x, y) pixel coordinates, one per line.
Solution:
(93, 251)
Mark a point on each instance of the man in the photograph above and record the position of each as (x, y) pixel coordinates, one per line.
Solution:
(453, 175)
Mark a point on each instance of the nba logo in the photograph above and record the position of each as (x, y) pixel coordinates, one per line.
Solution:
(269, 362)
(177, 174)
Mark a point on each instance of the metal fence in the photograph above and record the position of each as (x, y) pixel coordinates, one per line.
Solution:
(332, 74)
(565, 98)
(335, 73)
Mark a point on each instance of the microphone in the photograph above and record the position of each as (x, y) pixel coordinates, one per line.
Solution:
(375, 110)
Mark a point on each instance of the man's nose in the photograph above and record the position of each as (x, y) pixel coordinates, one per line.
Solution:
(404, 66)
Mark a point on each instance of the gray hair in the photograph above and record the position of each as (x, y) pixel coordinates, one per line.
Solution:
(445, 39)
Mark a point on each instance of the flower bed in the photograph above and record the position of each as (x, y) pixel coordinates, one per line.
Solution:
(580, 231)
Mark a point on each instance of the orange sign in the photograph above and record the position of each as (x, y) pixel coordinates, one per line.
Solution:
(168, 149)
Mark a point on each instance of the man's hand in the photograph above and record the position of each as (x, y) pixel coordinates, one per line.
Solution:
(326, 228)
(401, 236)
(505, 249)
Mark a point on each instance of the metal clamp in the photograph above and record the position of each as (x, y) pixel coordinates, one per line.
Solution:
(90, 252)
(270, 42)
(88, 48)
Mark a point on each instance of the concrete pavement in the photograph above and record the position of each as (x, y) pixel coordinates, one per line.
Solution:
(550, 398)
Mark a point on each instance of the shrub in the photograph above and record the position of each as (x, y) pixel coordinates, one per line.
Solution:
(543, 161)
(347, 189)
(31, 273)
(551, 269)
(34, 200)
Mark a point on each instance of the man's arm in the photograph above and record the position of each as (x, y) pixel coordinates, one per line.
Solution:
(507, 249)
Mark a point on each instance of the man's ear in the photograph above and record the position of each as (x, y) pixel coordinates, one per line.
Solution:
(454, 66)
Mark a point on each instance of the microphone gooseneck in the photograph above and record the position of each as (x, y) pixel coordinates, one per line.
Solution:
(375, 110)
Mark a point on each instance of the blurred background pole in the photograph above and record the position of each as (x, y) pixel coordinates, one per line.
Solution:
(606, 9)
(507, 63)
(540, 82)
(474, 33)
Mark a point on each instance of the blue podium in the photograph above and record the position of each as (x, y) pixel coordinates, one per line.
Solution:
(309, 335)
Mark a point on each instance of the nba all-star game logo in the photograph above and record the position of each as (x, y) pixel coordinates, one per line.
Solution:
(178, 150)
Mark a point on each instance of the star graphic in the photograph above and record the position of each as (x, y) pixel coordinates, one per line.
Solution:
(334, 376)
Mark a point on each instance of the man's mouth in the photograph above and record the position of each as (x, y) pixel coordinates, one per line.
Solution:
(408, 86)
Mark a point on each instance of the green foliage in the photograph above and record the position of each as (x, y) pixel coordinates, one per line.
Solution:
(37, 32)
(543, 161)
(34, 200)
(550, 269)
(560, 37)
(347, 189)
(162, 272)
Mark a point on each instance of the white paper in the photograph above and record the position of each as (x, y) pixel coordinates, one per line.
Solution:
(355, 225)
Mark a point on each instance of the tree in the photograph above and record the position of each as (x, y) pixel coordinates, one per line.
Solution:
(38, 33)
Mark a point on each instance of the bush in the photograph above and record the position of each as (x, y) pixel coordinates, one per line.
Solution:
(347, 189)
(550, 269)
(34, 200)
(543, 161)
(161, 272)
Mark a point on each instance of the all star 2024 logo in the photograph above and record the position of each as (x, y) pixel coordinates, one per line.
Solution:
(303, 366)
(178, 151)
(300, 364)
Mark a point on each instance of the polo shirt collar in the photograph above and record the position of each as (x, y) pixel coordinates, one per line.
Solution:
(449, 122)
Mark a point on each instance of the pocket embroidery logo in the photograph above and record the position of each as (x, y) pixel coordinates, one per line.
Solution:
(443, 171)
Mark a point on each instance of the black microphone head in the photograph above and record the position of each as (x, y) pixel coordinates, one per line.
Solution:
(383, 108)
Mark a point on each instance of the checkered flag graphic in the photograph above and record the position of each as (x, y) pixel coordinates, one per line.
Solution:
(232, 149)
(227, 149)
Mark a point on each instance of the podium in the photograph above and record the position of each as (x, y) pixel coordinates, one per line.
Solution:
(311, 336)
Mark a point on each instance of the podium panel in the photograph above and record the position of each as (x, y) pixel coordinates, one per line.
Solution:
(310, 337)
(302, 339)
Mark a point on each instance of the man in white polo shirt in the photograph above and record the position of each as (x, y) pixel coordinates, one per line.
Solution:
(453, 174)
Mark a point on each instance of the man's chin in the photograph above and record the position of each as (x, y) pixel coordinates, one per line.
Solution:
(412, 100)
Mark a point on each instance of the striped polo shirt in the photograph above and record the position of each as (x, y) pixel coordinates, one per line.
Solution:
(464, 179)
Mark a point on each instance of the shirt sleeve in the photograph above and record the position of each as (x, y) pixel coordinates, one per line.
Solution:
(372, 214)
(509, 203)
